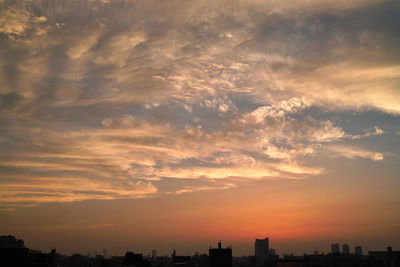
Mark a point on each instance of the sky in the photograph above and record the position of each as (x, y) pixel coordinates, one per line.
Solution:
(174, 124)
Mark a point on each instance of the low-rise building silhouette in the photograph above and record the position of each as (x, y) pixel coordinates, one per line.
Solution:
(220, 257)
(9, 241)
(134, 259)
(389, 258)
(181, 261)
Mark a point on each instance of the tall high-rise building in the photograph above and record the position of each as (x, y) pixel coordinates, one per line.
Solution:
(261, 249)
(358, 250)
(154, 255)
(335, 248)
(105, 253)
(345, 249)
(220, 257)
(52, 258)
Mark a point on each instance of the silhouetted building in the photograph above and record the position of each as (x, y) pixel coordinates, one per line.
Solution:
(220, 257)
(105, 253)
(201, 260)
(335, 249)
(133, 259)
(14, 256)
(389, 258)
(9, 241)
(78, 260)
(53, 258)
(261, 250)
(181, 261)
(154, 255)
(345, 249)
(327, 261)
(163, 261)
(358, 251)
(14, 253)
(293, 263)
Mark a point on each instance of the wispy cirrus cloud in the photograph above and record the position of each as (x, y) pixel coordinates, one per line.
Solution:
(102, 99)
(355, 152)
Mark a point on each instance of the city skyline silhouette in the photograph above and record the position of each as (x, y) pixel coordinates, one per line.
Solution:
(141, 125)
(13, 252)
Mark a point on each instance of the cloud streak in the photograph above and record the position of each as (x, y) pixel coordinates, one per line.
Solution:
(101, 99)
(354, 152)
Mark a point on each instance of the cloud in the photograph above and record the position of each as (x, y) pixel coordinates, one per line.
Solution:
(17, 19)
(352, 152)
(377, 131)
(14, 20)
(99, 226)
(275, 111)
(104, 99)
(85, 224)
(193, 189)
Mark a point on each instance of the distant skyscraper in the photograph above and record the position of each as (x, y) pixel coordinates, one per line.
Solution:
(105, 253)
(52, 258)
(335, 248)
(220, 257)
(154, 255)
(358, 251)
(261, 249)
(345, 249)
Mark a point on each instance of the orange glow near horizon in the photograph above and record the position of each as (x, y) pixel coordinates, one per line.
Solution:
(158, 124)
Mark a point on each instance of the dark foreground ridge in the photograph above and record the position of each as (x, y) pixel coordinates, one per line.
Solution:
(14, 253)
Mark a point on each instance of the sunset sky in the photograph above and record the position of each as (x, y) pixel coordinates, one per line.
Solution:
(168, 124)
